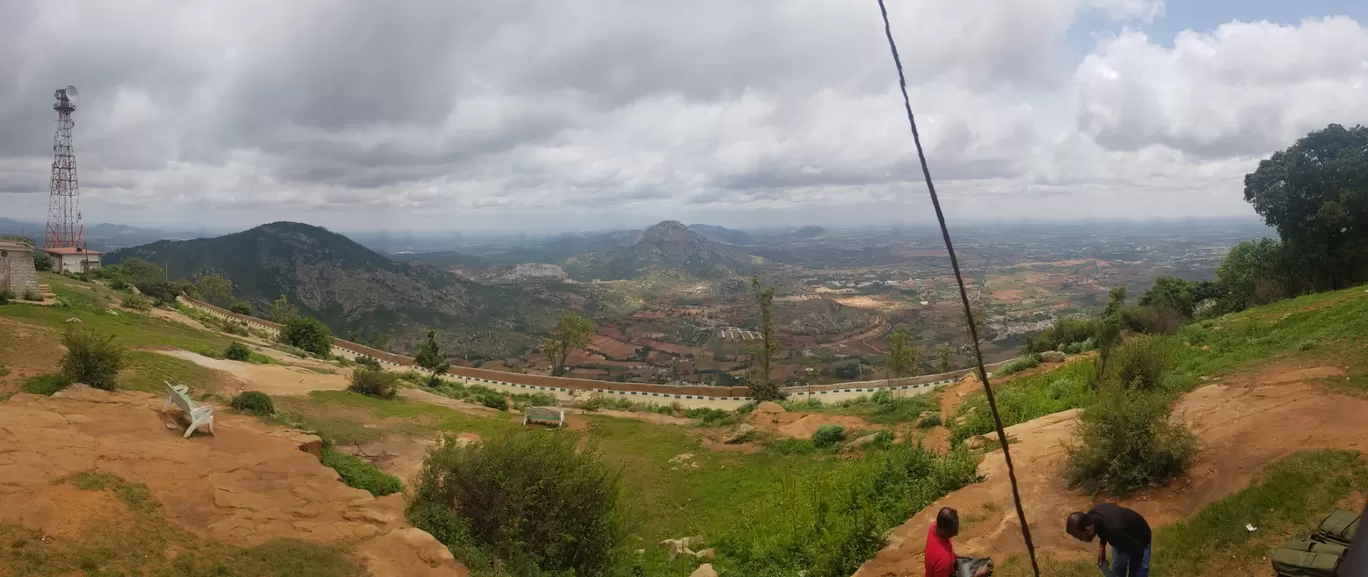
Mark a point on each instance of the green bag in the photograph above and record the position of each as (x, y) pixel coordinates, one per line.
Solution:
(1335, 549)
(1339, 527)
(1293, 563)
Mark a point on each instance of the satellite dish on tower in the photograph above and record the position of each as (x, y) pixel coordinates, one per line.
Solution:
(71, 92)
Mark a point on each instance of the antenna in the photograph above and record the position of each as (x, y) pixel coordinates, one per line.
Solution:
(71, 92)
(64, 228)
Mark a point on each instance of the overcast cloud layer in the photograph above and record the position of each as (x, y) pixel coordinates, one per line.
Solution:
(515, 113)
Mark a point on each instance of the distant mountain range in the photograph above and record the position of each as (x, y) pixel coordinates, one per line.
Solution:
(355, 289)
(668, 247)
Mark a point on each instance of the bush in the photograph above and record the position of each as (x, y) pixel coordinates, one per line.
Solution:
(32, 295)
(1066, 331)
(161, 292)
(42, 260)
(307, 333)
(929, 421)
(254, 402)
(483, 496)
(1156, 320)
(828, 435)
(137, 303)
(118, 284)
(1030, 361)
(765, 391)
(237, 352)
(46, 384)
(1128, 440)
(830, 523)
(366, 361)
(91, 358)
(1138, 362)
(241, 308)
(361, 474)
(489, 398)
(373, 382)
(5, 297)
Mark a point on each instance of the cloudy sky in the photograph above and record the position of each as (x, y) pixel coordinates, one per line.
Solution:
(517, 114)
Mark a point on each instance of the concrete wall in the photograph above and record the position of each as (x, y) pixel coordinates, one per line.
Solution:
(79, 262)
(17, 274)
(570, 386)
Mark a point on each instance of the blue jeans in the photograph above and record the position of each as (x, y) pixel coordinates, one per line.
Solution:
(1120, 564)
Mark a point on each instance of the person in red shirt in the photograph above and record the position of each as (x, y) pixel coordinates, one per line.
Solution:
(940, 552)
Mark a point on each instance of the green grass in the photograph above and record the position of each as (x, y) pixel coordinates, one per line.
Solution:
(884, 407)
(46, 384)
(361, 474)
(89, 302)
(339, 416)
(1291, 499)
(1331, 326)
(148, 544)
(146, 370)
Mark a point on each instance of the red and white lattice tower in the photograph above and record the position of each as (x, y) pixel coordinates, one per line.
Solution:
(64, 228)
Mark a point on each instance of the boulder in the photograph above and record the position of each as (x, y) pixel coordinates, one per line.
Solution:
(1052, 357)
(704, 570)
(740, 435)
(708, 554)
(860, 443)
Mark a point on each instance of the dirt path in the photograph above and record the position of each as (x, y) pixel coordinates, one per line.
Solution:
(269, 379)
(244, 485)
(1242, 429)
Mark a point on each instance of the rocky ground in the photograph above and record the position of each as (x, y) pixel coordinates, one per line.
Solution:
(243, 486)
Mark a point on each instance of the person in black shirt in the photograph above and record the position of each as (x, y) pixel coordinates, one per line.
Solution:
(1125, 530)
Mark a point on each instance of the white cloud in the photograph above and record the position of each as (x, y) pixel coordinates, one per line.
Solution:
(469, 113)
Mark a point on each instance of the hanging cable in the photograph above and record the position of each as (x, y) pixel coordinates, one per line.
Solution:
(964, 295)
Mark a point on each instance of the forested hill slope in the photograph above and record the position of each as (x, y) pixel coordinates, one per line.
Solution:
(352, 288)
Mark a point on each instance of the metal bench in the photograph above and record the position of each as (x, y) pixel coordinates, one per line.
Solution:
(198, 414)
(544, 414)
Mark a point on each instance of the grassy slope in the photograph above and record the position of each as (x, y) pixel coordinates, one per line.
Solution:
(1330, 326)
(1294, 495)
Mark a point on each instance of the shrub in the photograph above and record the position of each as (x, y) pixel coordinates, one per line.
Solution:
(254, 402)
(483, 496)
(366, 361)
(307, 333)
(830, 523)
(240, 307)
(765, 390)
(42, 260)
(828, 435)
(1138, 362)
(1064, 332)
(160, 292)
(1154, 319)
(32, 295)
(361, 474)
(91, 358)
(237, 352)
(46, 384)
(118, 284)
(6, 296)
(1030, 361)
(489, 398)
(373, 382)
(137, 302)
(929, 421)
(1128, 440)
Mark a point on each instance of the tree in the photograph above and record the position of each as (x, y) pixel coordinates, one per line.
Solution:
(141, 272)
(769, 344)
(282, 311)
(241, 307)
(978, 315)
(214, 289)
(430, 357)
(307, 333)
(1248, 265)
(1115, 301)
(1172, 293)
(944, 354)
(571, 334)
(1315, 193)
(902, 357)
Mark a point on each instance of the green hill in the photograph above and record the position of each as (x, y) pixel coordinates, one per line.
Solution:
(355, 289)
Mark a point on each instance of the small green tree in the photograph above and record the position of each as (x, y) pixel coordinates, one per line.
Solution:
(373, 382)
(943, 354)
(1249, 266)
(140, 271)
(768, 348)
(307, 333)
(282, 311)
(1115, 302)
(92, 358)
(237, 352)
(902, 359)
(42, 260)
(214, 289)
(1171, 292)
(431, 358)
(241, 307)
(571, 334)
